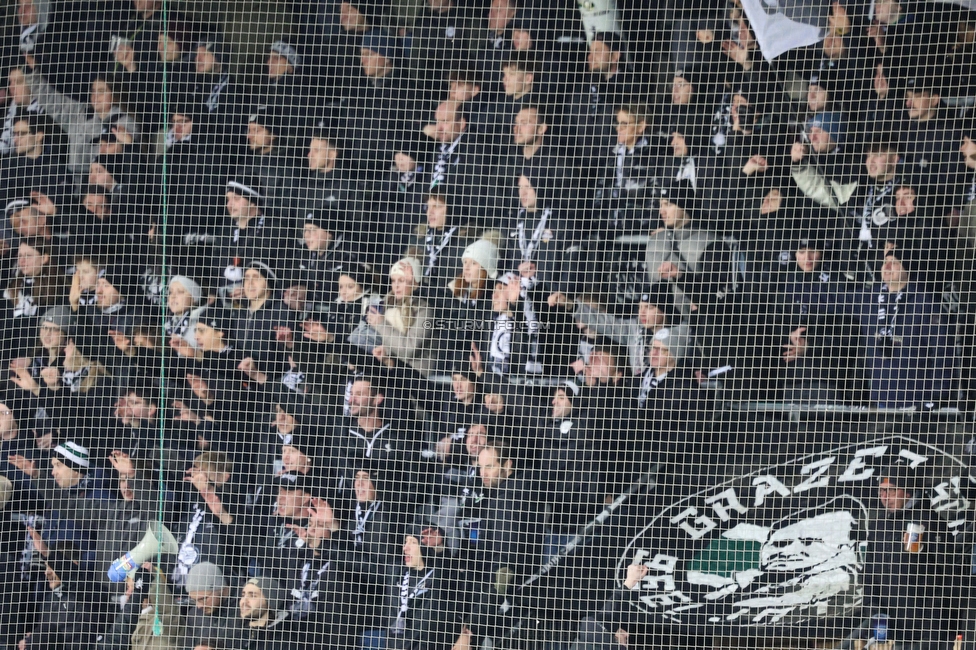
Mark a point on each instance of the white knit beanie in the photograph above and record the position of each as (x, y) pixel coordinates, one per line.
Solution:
(485, 254)
(191, 287)
(399, 268)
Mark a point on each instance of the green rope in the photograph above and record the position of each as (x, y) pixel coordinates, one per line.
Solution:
(157, 628)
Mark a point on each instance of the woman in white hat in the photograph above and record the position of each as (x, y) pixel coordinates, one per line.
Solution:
(403, 322)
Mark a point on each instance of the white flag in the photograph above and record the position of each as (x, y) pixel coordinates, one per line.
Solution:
(782, 25)
(968, 4)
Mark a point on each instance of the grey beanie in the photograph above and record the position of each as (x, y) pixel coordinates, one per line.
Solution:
(276, 596)
(676, 339)
(399, 268)
(205, 576)
(60, 316)
(485, 254)
(190, 285)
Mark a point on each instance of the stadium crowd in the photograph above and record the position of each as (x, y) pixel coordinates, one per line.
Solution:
(376, 330)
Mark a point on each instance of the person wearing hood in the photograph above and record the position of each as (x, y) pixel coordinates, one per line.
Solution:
(719, 317)
(671, 408)
(611, 626)
(384, 103)
(683, 158)
(161, 624)
(76, 396)
(324, 252)
(196, 169)
(56, 327)
(35, 287)
(218, 101)
(502, 534)
(285, 87)
(263, 616)
(124, 519)
(19, 101)
(210, 529)
(908, 348)
(16, 438)
(457, 408)
(321, 342)
(676, 248)
(592, 104)
(571, 461)
(127, 181)
(438, 35)
(116, 311)
(143, 74)
(367, 540)
(328, 186)
(927, 134)
(528, 337)
(299, 553)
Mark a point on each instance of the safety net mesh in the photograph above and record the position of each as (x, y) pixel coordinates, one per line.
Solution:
(487, 324)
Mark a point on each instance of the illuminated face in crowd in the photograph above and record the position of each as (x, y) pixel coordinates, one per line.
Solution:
(681, 91)
(904, 201)
(102, 98)
(528, 197)
(517, 83)
(253, 605)
(178, 299)
(364, 488)
(808, 259)
(600, 57)
(562, 406)
(64, 476)
(255, 285)
(30, 261)
(629, 129)
(316, 238)
(349, 289)
(492, 470)
(527, 128)
(205, 61)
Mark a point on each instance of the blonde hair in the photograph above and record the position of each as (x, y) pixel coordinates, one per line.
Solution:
(214, 462)
(95, 369)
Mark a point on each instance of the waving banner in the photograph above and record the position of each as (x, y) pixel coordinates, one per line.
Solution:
(782, 25)
(782, 546)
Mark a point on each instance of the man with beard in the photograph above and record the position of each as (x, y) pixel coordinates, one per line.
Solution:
(263, 619)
